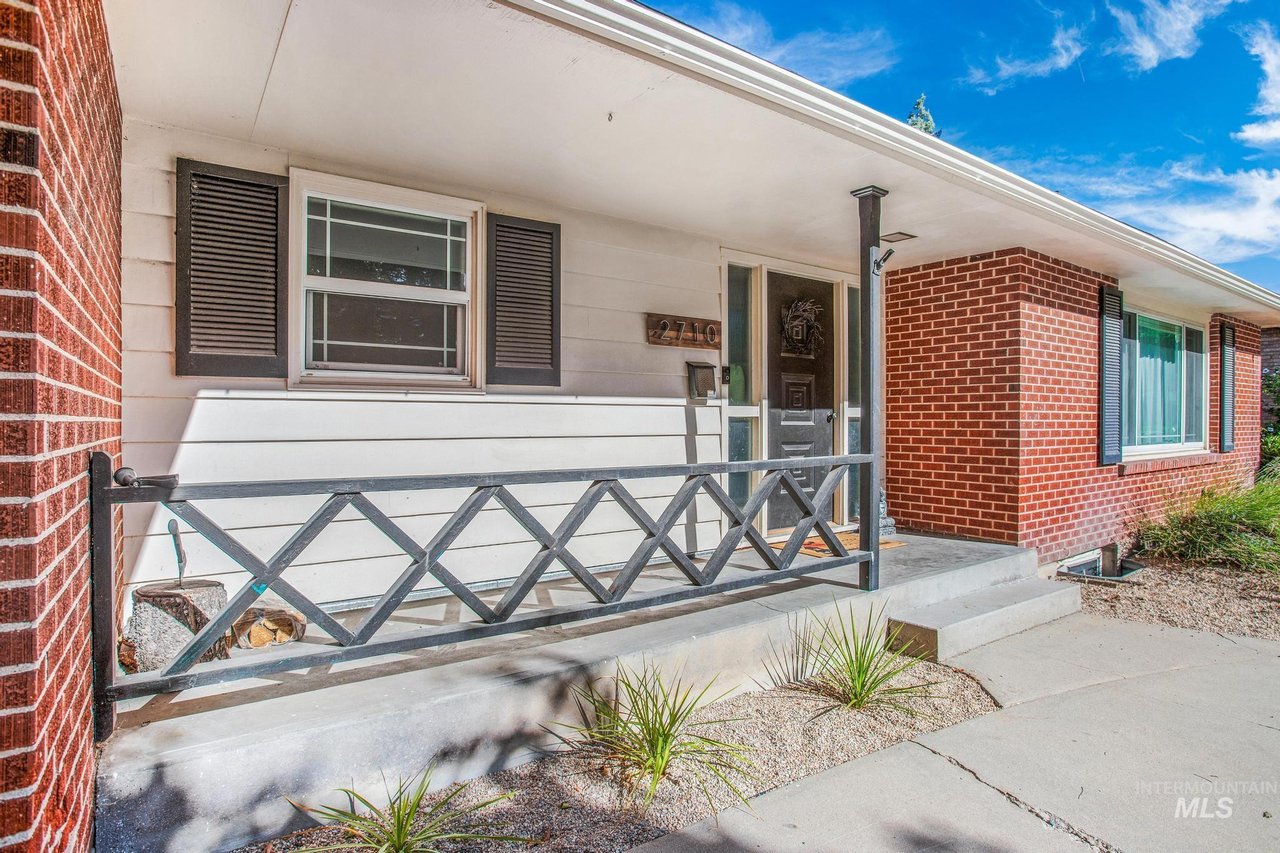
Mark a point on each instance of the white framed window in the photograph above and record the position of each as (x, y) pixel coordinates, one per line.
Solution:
(382, 283)
(1163, 385)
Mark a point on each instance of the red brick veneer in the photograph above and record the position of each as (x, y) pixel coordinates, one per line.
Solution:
(59, 399)
(992, 400)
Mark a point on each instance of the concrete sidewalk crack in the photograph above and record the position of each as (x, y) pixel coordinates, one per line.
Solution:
(1048, 818)
(774, 609)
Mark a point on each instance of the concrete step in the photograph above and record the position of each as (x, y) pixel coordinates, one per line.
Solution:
(1011, 564)
(956, 625)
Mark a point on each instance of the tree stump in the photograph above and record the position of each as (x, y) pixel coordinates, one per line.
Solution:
(268, 622)
(165, 618)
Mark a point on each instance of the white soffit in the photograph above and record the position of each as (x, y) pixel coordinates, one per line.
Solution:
(703, 138)
(200, 64)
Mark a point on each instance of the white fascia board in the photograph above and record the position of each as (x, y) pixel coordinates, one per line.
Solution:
(647, 31)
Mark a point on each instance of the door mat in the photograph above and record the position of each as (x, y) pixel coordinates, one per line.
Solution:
(815, 547)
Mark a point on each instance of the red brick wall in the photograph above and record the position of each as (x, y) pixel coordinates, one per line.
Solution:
(951, 414)
(992, 407)
(59, 399)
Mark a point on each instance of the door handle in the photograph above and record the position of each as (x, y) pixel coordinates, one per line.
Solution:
(831, 416)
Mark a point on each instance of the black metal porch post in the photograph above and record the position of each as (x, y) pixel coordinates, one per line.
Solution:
(102, 598)
(872, 378)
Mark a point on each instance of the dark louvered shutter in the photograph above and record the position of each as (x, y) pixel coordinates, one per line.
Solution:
(1227, 389)
(232, 250)
(1110, 349)
(523, 302)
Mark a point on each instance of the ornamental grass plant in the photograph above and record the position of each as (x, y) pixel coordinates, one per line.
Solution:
(1234, 528)
(409, 823)
(640, 728)
(859, 668)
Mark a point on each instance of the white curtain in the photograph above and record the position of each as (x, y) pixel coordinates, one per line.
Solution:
(1159, 382)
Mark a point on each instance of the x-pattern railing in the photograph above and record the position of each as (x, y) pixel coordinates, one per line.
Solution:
(777, 479)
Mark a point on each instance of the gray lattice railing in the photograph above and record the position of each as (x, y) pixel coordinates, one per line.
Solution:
(777, 482)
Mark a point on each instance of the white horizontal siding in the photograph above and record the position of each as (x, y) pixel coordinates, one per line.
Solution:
(260, 460)
(598, 261)
(149, 283)
(147, 237)
(295, 419)
(621, 402)
(636, 297)
(280, 516)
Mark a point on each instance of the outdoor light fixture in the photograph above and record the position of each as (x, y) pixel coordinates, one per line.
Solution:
(883, 259)
(896, 237)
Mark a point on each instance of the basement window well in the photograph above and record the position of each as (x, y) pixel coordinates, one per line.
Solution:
(1101, 563)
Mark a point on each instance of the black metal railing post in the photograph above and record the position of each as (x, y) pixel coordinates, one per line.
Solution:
(102, 567)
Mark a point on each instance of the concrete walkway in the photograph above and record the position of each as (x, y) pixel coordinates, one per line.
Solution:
(1134, 737)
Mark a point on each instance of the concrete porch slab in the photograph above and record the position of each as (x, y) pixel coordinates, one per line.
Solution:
(208, 769)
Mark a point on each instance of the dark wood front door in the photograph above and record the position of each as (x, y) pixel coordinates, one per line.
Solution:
(801, 365)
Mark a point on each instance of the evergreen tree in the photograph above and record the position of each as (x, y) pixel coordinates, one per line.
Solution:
(921, 119)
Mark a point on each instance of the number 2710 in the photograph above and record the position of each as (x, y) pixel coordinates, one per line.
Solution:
(682, 330)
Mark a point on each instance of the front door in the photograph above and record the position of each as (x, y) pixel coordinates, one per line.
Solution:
(801, 365)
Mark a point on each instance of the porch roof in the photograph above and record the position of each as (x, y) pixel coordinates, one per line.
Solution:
(609, 107)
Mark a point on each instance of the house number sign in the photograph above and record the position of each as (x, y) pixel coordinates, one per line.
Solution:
(669, 330)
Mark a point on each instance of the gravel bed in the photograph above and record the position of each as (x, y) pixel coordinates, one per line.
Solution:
(1224, 601)
(566, 806)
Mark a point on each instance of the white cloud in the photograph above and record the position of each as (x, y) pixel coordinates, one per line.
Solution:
(1262, 43)
(1222, 216)
(1087, 178)
(834, 59)
(1160, 31)
(1065, 48)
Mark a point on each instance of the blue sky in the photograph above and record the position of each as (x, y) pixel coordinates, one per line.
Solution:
(1164, 113)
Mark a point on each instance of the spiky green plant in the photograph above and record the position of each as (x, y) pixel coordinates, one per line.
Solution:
(792, 661)
(1236, 528)
(856, 669)
(406, 824)
(643, 729)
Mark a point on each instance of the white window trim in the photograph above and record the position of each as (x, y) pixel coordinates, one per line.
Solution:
(1139, 452)
(302, 183)
(1162, 451)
